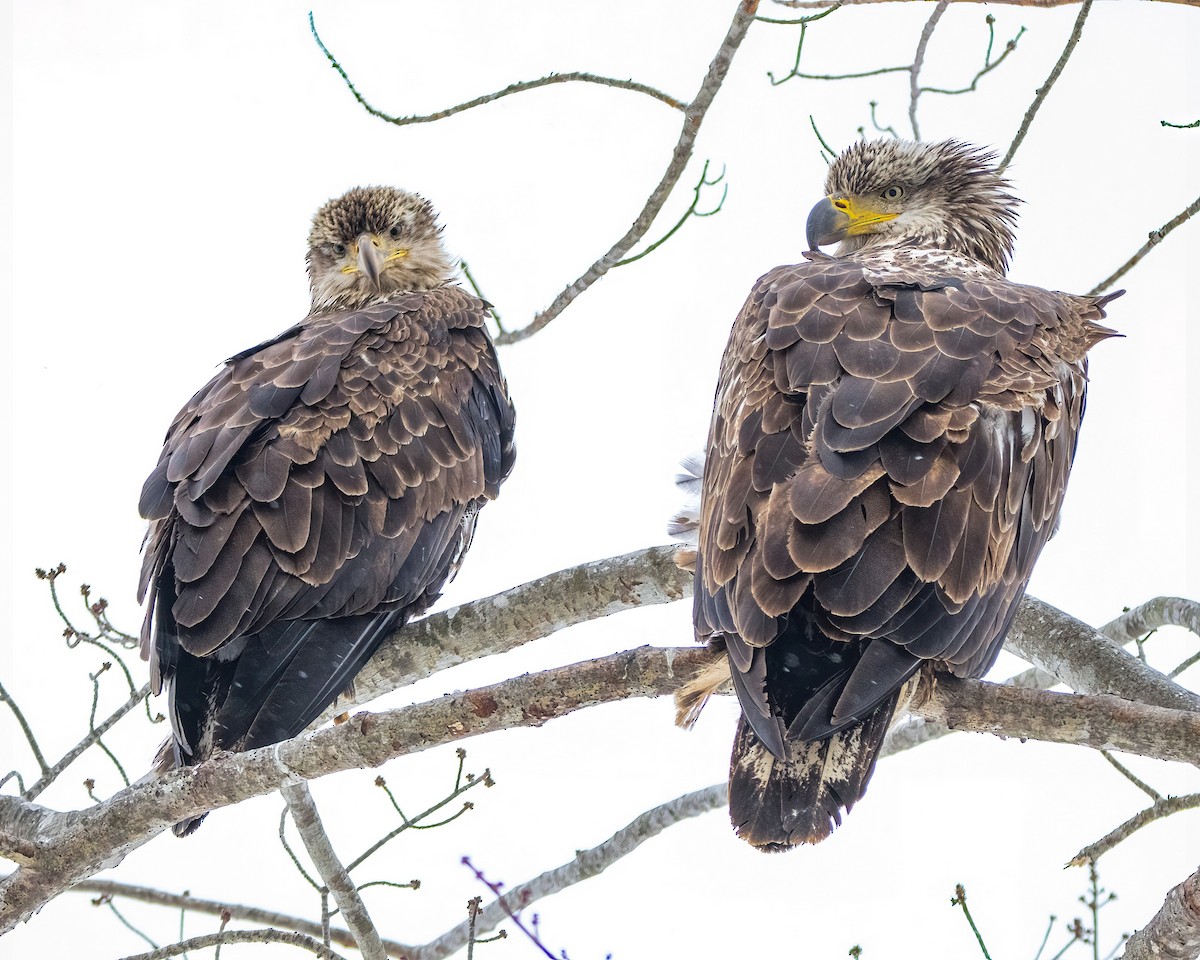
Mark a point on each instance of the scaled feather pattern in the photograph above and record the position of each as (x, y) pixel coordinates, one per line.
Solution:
(321, 489)
(893, 431)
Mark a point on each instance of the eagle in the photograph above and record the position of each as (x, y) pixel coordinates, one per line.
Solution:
(893, 430)
(321, 489)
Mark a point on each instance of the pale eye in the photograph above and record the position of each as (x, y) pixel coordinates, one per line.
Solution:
(339, 249)
(395, 232)
(893, 193)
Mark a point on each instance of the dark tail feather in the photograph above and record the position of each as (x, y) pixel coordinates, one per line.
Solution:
(777, 804)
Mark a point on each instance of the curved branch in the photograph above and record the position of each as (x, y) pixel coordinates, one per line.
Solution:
(507, 620)
(1163, 807)
(693, 117)
(224, 937)
(1087, 661)
(1149, 616)
(236, 911)
(1174, 932)
(587, 863)
(519, 87)
(1156, 237)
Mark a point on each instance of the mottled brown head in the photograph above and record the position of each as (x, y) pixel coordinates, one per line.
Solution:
(948, 195)
(371, 243)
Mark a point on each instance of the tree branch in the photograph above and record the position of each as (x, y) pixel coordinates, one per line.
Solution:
(235, 911)
(519, 87)
(914, 73)
(1149, 616)
(1044, 90)
(1156, 237)
(1088, 661)
(239, 936)
(1162, 807)
(1174, 932)
(587, 863)
(325, 859)
(693, 117)
(515, 617)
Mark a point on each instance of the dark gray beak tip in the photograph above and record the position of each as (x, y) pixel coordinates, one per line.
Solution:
(826, 224)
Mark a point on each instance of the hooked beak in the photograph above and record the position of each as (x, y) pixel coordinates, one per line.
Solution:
(838, 217)
(826, 224)
(370, 259)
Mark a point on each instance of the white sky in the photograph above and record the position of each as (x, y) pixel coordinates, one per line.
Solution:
(167, 159)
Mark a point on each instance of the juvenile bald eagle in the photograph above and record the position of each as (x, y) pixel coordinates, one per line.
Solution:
(322, 488)
(888, 454)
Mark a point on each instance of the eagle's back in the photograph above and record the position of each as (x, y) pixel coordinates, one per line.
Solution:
(888, 455)
(309, 499)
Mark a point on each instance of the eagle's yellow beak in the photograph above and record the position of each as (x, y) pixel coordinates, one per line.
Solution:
(836, 218)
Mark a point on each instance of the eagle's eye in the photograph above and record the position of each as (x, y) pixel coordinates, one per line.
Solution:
(893, 193)
(395, 232)
(339, 249)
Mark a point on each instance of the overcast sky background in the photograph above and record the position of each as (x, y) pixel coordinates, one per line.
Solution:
(167, 160)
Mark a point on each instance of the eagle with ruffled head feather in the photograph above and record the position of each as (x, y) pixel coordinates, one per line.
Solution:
(893, 430)
(322, 488)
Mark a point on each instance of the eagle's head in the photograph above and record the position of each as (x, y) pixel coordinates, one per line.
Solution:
(371, 243)
(945, 195)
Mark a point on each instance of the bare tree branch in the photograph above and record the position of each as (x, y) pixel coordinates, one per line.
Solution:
(914, 72)
(1148, 616)
(1174, 932)
(1156, 237)
(236, 911)
(1044, 90)
(325, 859)
(587, 863)
(1087, 661)
(50, 774)
(693, 117)
(73, 845)
(1101, 722)
(515, 617)
(1163, 807)
(239, 936)
(519, 87)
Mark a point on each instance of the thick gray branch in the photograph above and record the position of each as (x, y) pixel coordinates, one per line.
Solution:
(325, 859)
(1087, 661)
(1159, 612)
(1174, 932)
(510, 619)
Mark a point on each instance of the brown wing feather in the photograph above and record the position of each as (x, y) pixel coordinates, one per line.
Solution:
(273, 500)
(888, 454)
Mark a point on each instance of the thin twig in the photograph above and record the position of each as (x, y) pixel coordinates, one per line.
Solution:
(1180, 126)
(1161, 808)
(693, 117)
(988, 63)
(914, 85)
(320, 849)
(1156, 237)
(6, 697)
(97, 731)
(960, 900)
(1131, 776)
(1044, 89)
(520, 87)
(239, 936)
(691, 211)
